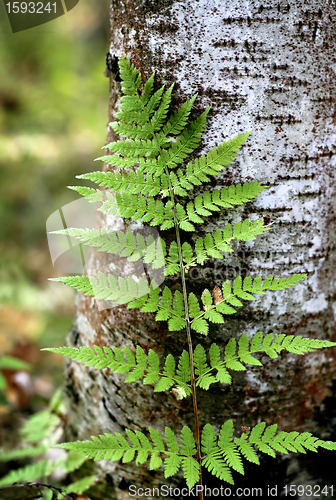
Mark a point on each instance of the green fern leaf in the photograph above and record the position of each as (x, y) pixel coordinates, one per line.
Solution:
(191, 467)
(226, 433)
(187, 442)
(183, 368)
(193, 305)
(232, 456)
(172, 260)
(213, 460)
(130, 79)
(229, 450)
(141, 366)
(171, 441)
(103, 447)
(282, 283)
(231, 360)
(80, 283)
(167, 380)
(222, 375)
(152, 303)
(243, 352)
(164, 384)
(165, 306)
(255, 436)
(81, 485)
(215, 464)
(186, 143)
(211, 248)
(91, 195)
(187, 254)
(160, 115)
(200, 325)
(214, 316)
(214, 354)
(153, 368)
(157, 439)
(178, 120)
(206, 299)
(218, 158)
(177, 322)
(224, 154)
(201, 368)
(246, 449)
(200, 360)
(208, 439)
(148, 89)
(239, 194)
(28, 473)
(39, 427)
(172, 465)
(28, 451)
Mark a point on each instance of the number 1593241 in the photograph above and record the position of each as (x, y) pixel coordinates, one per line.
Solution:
(30, 7)
(308, 490)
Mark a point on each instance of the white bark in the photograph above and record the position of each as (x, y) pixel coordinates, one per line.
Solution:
(271, 69)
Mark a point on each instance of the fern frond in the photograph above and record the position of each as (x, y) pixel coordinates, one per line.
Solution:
(121, 291)
(116, 447)
(28, 451)
(186, 143)
(109, 288)
(81, 485)
(130, 79)
(227, 452)
(233, 360)
(173, 461)
(190, 465)
(28, 473)
(80, 283)
(232, 295)
(158, 170)
(240, 194)
(210, 202)
(201, 368)
(179, 118)
(218, 244)
(137, 367)
(227, 197)
(183, 369)
(170, 307)
(91, 195)
(267, 441)
(273, 346)
(137, 207)
(245, 231)
(160, 115)
(130, 245)
(146, 165)
(134, 148)
(218, 158)
(213, 459)
(133, 182)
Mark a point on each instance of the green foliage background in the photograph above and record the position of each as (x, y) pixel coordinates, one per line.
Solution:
(53, 117)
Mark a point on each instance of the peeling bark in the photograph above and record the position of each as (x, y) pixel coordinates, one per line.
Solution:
(269, 68)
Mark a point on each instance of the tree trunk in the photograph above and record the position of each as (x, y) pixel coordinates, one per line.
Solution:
(269, 68)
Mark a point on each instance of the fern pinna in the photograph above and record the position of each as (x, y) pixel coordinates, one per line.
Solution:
(150, 183)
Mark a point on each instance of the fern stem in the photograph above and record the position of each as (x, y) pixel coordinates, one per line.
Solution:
(188, 330)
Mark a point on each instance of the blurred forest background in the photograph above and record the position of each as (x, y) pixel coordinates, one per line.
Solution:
(53, 118)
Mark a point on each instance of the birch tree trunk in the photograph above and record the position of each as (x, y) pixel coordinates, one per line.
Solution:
(269, 68)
